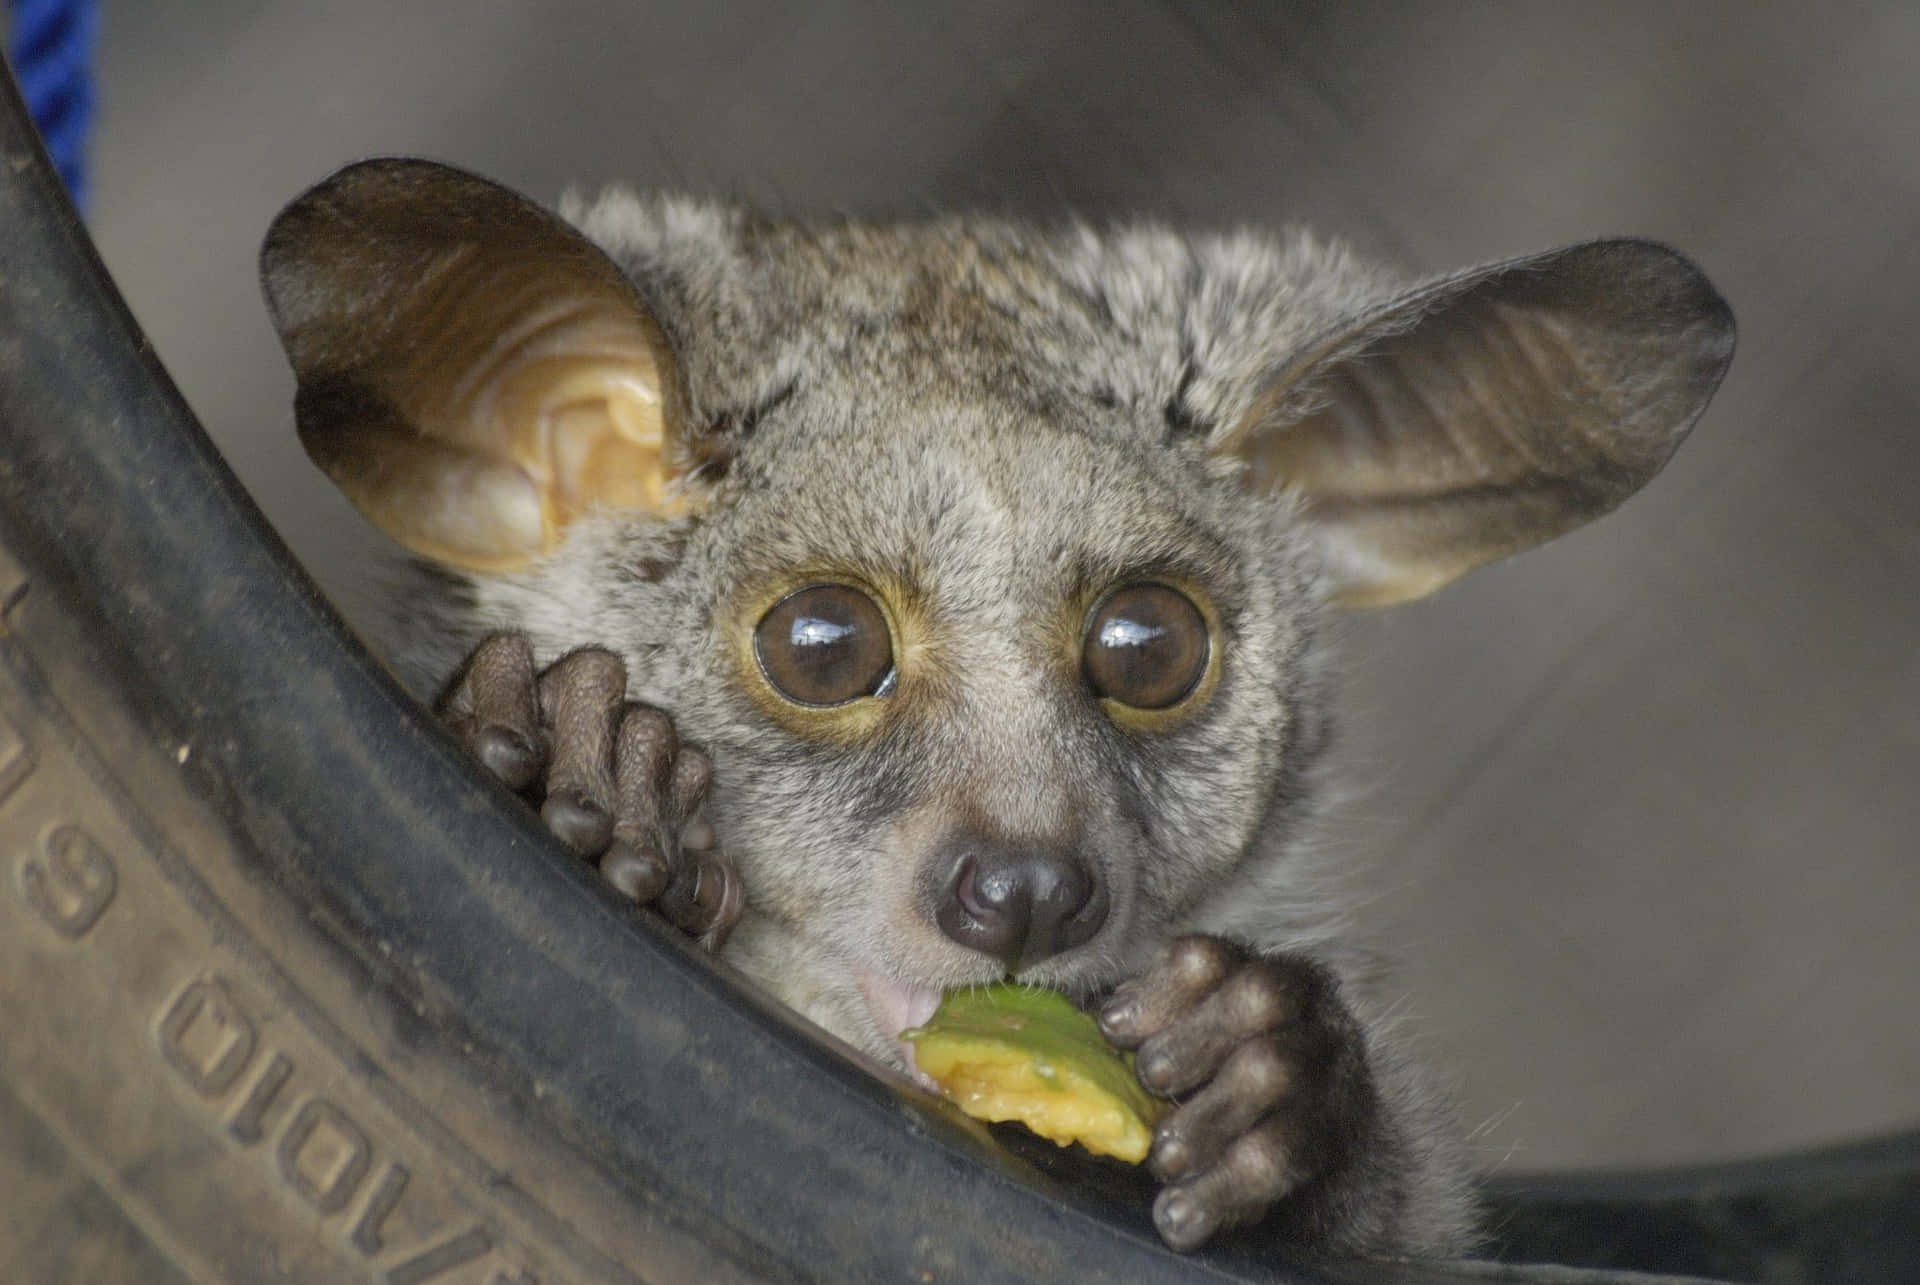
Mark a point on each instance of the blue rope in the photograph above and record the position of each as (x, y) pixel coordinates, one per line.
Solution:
(50, 44)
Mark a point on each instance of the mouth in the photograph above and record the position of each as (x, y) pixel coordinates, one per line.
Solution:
(898, 1006)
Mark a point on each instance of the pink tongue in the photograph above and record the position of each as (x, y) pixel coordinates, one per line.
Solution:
(899, 1007)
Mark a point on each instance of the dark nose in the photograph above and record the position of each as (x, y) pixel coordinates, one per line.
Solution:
(1020, 905)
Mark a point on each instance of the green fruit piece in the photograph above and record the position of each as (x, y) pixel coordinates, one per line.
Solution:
(1018, 1053)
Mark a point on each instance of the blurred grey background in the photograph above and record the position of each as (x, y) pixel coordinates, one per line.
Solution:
(1643, 806)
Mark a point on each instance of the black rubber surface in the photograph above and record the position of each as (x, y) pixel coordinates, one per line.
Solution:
(288, 992)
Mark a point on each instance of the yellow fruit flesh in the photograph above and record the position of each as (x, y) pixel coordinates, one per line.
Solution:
(1012, 1053)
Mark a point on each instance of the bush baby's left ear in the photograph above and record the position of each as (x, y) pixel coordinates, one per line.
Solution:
(1481, 414)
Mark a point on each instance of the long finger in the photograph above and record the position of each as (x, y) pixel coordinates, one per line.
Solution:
(493, 709)
(1256, 998)
(580, 696)
(1259, 1076)
(1186, 972)
(643, 857)
(1256, 1170)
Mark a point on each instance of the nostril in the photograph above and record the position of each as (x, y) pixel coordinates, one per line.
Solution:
(966, 892)
(986, 908)
(1069, 906)
(1088, 915)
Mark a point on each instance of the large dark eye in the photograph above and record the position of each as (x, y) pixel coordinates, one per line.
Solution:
(825, 645)
(1146, 647)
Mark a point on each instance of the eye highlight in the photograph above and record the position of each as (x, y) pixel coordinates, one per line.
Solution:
(1146, 647)
(824, 645)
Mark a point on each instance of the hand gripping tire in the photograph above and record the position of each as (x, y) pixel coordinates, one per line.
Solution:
(288, 992)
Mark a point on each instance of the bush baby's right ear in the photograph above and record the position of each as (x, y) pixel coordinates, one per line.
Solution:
(474, 373)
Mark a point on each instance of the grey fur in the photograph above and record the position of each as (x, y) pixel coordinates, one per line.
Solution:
(1005, 415)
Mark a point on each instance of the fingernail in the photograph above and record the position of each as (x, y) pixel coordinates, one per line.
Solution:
(1172, 1157)
(508, 755)
(697, 835)
(1153, 1070)
(1182, 1223)
(580, 823)
(639, 874)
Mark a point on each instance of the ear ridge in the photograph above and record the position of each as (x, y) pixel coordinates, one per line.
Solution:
(1484, 413)
(474, 373)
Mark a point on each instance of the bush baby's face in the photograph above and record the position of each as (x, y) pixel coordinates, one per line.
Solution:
(1059, 643)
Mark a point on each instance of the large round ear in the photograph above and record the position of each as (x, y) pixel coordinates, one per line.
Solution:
(474, 374)
(1484, 413)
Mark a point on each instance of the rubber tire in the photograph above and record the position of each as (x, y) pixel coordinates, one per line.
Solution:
(289, 992)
